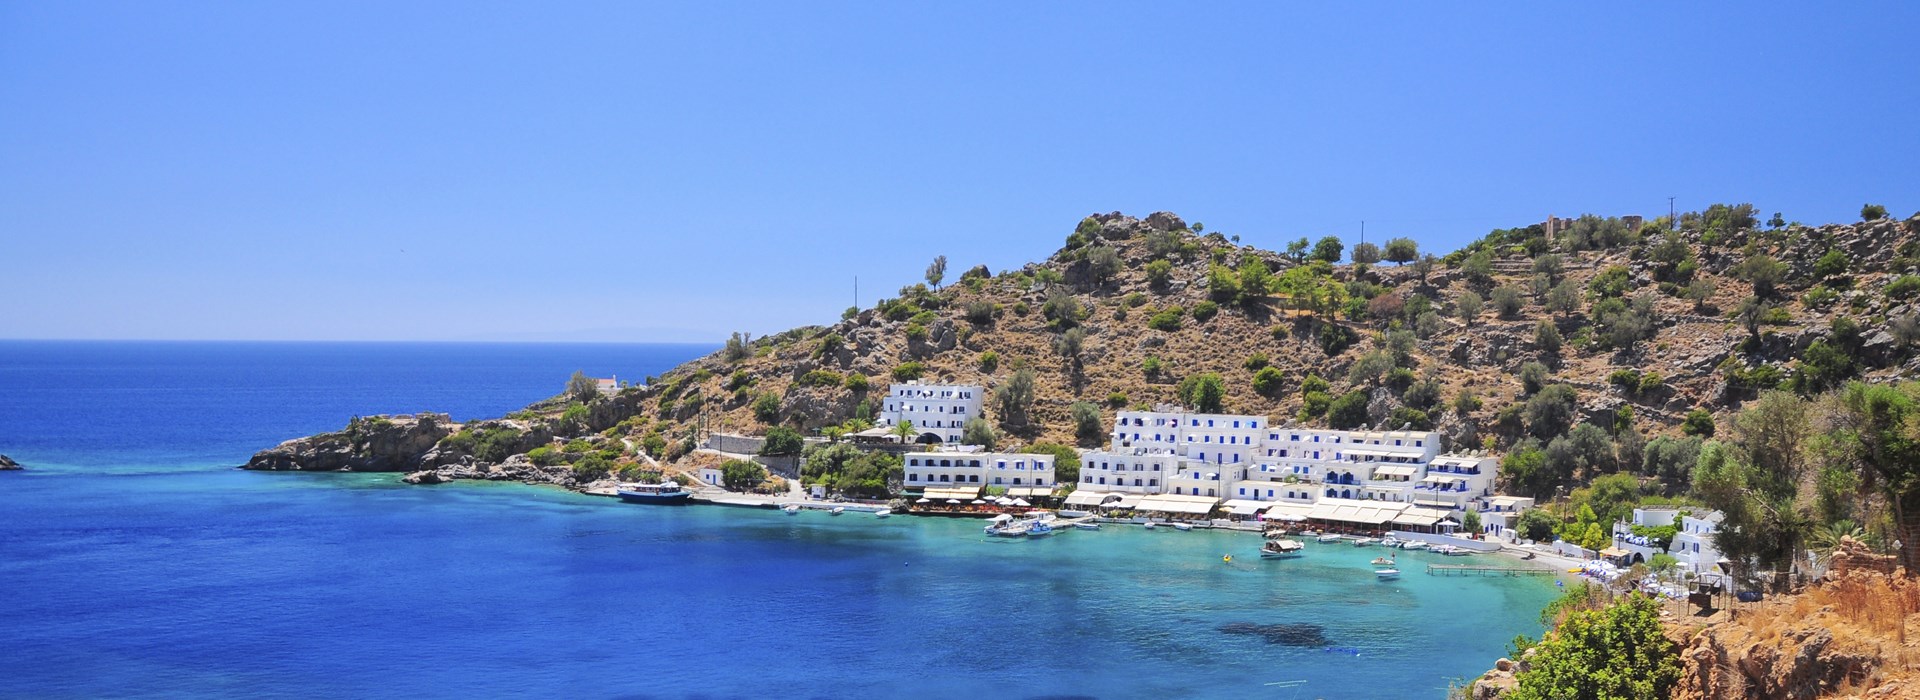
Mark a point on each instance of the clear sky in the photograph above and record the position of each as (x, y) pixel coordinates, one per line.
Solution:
(631, 171)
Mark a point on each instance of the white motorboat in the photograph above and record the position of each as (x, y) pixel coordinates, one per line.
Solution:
(1086, 526)
(1282, 549)
(883, 512)
(1328, 538)
(1382, 561)
(1038, 528)
(1391, 541)
(1365, 542)
(1387, 574)
(791, 510)
(1183, 527)
(1149, 526)
(837, 510)
(1414, 545)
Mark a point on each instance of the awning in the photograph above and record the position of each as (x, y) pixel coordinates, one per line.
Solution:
(1085, 498)
(1241, 506)
(1395, 470)
(1282, 511)
(1356, 511)
(962, 493)
(1029, 491)
(1177, 503)
(1614, 552)
(1442, 479)
(1127, 501)
(1410, 519)
(1432, 503)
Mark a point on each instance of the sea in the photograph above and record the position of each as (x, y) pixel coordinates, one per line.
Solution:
(136, 561)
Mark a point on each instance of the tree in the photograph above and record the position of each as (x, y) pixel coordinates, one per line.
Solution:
(1349, 411)
(1103, 263)
(1872, 212)
(1014, 399)
(782, 440)
(1365, 253)
(1533, 377)
(1764, 272)
(1401, 251)
(1546, 337)
(1699, 292)
(904, 431)
(1087, 426)
(1470, 521)
(1063, 310)
(1424, 266)
(736, 348)
(1618, 652)
(1070, 343)
(1328, 249)
(1551, 412)
(1506, 301)
(1297, 251)
(581, 387)
(1467, 306)
(977, 431)
(1564, 298)
(1776, 221)
(1203, 392)
(1873, 430)
(1479, 268)
(937, 271)
(738, 474)
(1535, 524)
(767, 408)
(843, 468)
(1699, 422)
(1256, 281)
(1066, 460)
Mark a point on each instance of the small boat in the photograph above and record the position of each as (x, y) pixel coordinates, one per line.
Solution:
(1086, 526)
(1328, 538)
(1387, 574)
(1382, 561)
(1414, 545)
(1003, 525)
(1282, 549)
(791, 509)
(1149, 526)
(883, 512)
(1183, 527)
(1391, 541)
(1365, 542)
(1038, 528)
(837, 510)
(663, 493)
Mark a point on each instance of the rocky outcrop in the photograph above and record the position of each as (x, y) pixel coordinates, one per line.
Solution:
(7, 464)
(375, 444)
(1852, 555)
(515, 468)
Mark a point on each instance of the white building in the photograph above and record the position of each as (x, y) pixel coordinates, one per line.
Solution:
(969, 466)
(937, 411)
(1693, 545)
(1246, 458)
(1500, 514)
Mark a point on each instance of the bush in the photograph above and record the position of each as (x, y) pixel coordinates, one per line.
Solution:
(1087, 427)
(1533, 376)
(1615, 652)
(1117, 399)
(1904, 287)
(1552, 411)
(767, 408)
(1167, 319)
(980, 313)
(977, 431)
(1412, 418)
(1203, 392)
(1651, 382)
(1699, 422)
(1267, 380)
(1349, 411)
(591, 468)
(1506, 301)
(1546, 337)
(1611, 282)
(1335, 338)
(545, 456)
(1151, 366)
(857, 382)
(821, 377)
(1204, 311)
(908, 371)
(989, 361)
(1872, 212)
(1832, 263)
(1254, 362)
(738, 474)
(782, 440)
(1159, 274)
(1466, 402)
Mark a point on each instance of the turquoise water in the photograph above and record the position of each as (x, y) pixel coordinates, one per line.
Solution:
(132, 572)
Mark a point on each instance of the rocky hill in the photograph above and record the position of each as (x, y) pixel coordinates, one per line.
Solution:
(1642, 326)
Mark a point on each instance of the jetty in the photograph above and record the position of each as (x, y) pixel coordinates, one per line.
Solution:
(1487, 570)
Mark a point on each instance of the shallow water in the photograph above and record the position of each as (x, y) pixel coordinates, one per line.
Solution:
(136, 564)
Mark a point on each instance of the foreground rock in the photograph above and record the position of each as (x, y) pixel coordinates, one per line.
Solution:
(376, 444)
(7, 464)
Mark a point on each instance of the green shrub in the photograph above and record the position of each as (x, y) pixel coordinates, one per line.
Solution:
(545, 456)
(1204, 311)
(989, 361)
(767, 408)
(1267, 380)
(1136, 300)
(916, 332)
(1255, 361)
(1349, 411)
(908, 371)
(1150, 366)
(1699, 422)
(1904, 287)
(1117, 399)
(1203, 392)
(1819, 297)
(857, 382)
(1167, 319)
(821, 377)
(782, 440)
(1159, 273)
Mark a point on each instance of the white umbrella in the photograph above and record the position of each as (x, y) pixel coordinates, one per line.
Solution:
(1003, 500)
(924, 500)
(1021, 502)
(979, 502)
(954, 501)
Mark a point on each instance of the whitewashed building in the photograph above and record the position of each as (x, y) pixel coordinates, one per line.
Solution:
(1693, 545)
(970, 466)
(938, 412)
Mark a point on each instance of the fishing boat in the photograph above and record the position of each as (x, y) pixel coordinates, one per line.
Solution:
(1086, 526)
(791, 509)
(1365, 542)
(1414, 545)
(1038, 528)
(663, 493)
(1387, 574)
(1382, 561)
(1282, 549)
(883, 512)
(1328, 538)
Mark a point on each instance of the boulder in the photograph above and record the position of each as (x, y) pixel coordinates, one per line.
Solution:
(1165, 221)
(424, 477)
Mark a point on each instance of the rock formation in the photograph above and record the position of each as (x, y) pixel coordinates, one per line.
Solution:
(7, 464)
(376, 444)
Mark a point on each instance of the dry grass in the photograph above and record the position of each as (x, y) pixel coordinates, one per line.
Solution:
(1876, 604)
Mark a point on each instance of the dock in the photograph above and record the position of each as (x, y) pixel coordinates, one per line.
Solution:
(1484, 570)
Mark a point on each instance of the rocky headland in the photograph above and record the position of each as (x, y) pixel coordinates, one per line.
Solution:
(7, 464)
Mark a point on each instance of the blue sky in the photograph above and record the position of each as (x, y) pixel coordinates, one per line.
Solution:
(629, 171)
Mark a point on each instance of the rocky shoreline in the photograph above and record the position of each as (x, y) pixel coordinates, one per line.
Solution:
(8, 465)
(416, 445)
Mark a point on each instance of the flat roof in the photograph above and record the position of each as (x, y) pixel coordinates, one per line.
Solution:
(1178, 503)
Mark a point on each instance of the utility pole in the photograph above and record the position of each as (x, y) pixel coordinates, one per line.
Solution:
(1671, 224)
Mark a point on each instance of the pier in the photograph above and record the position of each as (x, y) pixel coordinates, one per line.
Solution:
(1485, 570)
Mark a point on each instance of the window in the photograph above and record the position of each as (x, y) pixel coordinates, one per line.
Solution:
(913, 477)
(1236, 424)
(1151, 482)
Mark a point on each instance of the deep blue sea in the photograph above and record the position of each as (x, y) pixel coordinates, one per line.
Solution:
(136, 562)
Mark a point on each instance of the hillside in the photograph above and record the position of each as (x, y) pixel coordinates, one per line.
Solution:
(1717, 310)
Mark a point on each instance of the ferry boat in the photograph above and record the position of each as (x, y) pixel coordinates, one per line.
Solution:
(1282, 549)
(664, 493)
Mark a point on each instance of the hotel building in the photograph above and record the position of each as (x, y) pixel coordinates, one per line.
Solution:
(937, 411)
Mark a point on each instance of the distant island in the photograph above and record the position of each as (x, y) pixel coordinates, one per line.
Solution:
(1606, 367)
(7, 464)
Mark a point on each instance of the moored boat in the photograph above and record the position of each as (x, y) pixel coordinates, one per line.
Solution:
(1414, 545)
(1183, 527)
(1387, 574)
(791, 509)
(1282, 549)
(837, 510)
(883, 512)
(1365, 542)
(1086, 526)
(1328, 538)
(1039, 528)
(663, 493)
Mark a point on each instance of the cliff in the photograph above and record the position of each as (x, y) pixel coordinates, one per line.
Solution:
(376, 444)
